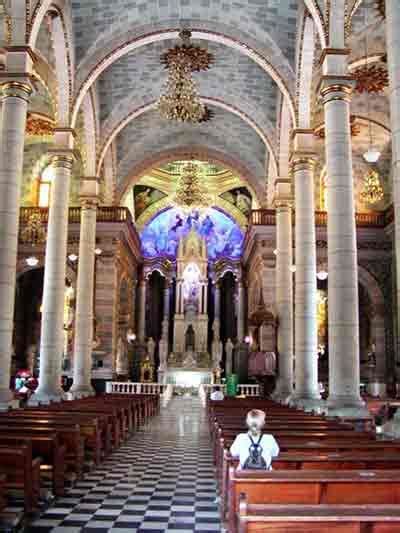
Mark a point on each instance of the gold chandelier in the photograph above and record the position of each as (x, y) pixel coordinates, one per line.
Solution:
(34, 232)
(190, 192)
(180, 100)
(372, 192)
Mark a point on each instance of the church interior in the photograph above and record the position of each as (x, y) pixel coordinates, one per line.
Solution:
(198, 220)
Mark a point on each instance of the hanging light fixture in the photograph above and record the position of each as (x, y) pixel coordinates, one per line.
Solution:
(372, 191)
(322, 275)
(33, 233)
(180, 100)
(372, 155)
(190, 193)
(32, 261)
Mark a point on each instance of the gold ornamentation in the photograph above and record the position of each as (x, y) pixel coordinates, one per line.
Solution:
(16, 89)
(372, 191)
(34, 231)
(190, 192)
(196, 58)
(180, 100)
(371, 78)
(355, 128)
(39, 126)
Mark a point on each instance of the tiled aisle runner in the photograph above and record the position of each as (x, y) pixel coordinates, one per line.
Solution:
(162, 479)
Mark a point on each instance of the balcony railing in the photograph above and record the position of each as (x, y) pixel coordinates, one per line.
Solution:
(104, 214)
(267, 217)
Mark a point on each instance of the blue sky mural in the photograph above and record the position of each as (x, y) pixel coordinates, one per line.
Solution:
(223, 236)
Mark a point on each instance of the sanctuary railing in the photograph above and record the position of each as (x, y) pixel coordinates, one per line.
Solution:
(128, 387)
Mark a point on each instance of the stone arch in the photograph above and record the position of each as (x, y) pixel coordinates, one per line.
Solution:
(200, 152)
(305, 73)
(318, 19)
(113, 129)
(285, 126)
(374, 291)
(62, 39)
(268, 56)
(336, 23)
(90, 133)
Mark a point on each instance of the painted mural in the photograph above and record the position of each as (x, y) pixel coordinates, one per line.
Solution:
(144, 197)
(240, 198)
(162, 234)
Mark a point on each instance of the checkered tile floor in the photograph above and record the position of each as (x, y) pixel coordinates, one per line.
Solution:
(162, 479)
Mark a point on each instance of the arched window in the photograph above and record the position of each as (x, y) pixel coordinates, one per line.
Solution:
(44, 187)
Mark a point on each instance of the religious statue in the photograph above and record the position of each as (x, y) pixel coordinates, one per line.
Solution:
(190, 359)
(151, 347)
(122, 364)
(31, 354)
(146, 371)
(229, 357)
(163, 345)
(217, 350)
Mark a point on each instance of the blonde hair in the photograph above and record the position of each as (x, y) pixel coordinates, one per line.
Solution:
(255, 417)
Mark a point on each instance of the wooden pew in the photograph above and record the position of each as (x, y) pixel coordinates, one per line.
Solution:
(334, 461)
(311, 488)
(318, 518)
(22, 472)
(90, 426)
(49, 450)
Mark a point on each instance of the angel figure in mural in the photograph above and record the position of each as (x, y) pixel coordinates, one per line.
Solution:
(243, 202)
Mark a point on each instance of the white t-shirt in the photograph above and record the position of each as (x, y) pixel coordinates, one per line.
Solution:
(217, 395)
(242, 443)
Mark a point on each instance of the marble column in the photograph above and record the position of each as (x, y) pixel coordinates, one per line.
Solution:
(142, 310)
(83, 344)
(284, 289)
(392, 24)
(306, 328)
(344, 357)
(241, 310)
(15, 97)
(166, 299)
(52, 330)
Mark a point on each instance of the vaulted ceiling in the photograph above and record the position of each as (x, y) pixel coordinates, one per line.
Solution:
(116, 48)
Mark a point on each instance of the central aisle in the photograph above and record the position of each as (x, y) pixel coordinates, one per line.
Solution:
(162, 479)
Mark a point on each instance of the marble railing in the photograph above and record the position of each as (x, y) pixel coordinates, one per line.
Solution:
(128, 387)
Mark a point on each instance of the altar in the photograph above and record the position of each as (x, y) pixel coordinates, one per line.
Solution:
(186, 378)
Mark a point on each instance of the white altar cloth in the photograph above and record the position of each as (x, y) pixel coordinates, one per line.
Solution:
(187, 377)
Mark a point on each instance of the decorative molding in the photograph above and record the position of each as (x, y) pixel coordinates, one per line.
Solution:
(355, 128)
(371, 78)
(39, 125)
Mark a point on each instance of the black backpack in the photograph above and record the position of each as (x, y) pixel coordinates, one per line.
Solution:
(255, 460)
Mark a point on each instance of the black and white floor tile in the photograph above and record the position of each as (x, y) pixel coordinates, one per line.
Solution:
(162, 479)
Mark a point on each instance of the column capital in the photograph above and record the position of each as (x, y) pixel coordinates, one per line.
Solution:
(16, 88)
(283, 197)
(89, 202)
(62, 158)
(302, 161)
(336, 88)
(89, 191)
